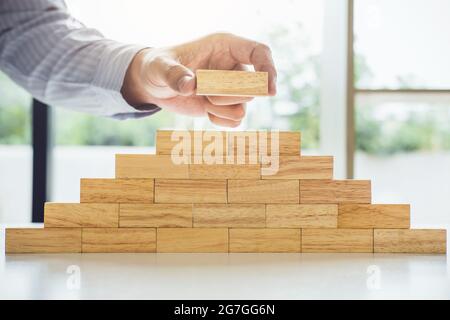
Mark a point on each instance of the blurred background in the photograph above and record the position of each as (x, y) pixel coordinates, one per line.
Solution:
(365, 81)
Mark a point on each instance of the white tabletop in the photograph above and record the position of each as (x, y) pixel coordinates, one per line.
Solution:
(223, 276)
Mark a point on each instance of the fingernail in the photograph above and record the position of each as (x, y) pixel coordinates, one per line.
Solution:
(183, 82)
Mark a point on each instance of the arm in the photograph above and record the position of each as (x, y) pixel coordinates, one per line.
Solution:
(63, 63)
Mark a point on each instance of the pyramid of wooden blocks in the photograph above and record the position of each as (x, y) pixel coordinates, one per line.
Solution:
(157, 203)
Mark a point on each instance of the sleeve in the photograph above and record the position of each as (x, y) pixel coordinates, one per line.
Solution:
(63, 63)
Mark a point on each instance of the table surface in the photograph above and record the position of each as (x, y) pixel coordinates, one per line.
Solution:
(223, 276)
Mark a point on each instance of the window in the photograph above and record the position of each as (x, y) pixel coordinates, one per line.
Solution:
(402, 44)
(15, 153)
(402, 105)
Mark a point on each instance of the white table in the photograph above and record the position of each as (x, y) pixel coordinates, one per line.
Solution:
(223, 276)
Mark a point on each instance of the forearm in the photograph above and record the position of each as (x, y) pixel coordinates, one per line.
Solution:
(60, 61)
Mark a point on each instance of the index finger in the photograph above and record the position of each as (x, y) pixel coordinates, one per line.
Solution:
(257, 54)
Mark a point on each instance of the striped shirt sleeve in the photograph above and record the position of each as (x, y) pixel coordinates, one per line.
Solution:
(63, 63)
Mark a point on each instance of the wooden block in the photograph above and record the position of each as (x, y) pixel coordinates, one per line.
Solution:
(335, 191)
(75, 215)
(156, 215)
(119, 240)
(232, 83)
(410, 241)
(242, 144)
(301, 215)
(229, 216)
(288, 143)
(166, 141)
(117, 190)
(265, 240)
(189, 143)
(224, 171)
(43, 240)
(196, 240)
(297, 167)
(263, 191)
(149, 166)
(190, 191)
(337, 240)
(260, 143)
(372, 216)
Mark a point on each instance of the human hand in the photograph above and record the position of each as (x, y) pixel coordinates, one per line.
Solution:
(166, 76)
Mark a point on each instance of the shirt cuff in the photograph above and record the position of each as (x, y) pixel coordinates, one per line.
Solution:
(109, 78)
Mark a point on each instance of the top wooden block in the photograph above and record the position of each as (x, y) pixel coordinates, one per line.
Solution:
(232, 83)
(181, 142)
(229, 144)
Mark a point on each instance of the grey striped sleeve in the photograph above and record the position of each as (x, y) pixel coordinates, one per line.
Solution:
(63, 63)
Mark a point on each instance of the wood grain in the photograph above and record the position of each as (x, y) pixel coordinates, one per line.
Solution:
(288, 143)
(242, 144)
(265, 240)
(43, 240)
(117, 190)
(299, 167)
(372, 216)
(337, 240)
(263, 191)
(232, 83)
(224, 171)
(75, 215)
(190, 143)
(149, 166)
(229, 216)
(190, 191)
(410, 241)
(335, 191)
(196, 240)
(119, 240)
(155, 215)
(260, 143)
(301, 215)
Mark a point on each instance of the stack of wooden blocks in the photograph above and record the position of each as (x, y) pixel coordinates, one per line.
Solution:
(154, 205)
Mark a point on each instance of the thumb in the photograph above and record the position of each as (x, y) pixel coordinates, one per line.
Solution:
(176, 76)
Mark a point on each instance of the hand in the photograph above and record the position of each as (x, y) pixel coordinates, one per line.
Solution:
(166, 76)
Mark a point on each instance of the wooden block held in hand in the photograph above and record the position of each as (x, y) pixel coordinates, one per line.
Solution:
(263, 191)
(301, 215)
(265, 240)
(196, 240)
(155, 215)
(410, 241)
(76, 215)
(337, 240)
(43, 240)
(229, 216)
(191, 191)
(224, 171)
(374, 216)
(117, 190)
(119, 240)
(232, 83)
(149, 166)
(297, 167)
(335, 191)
